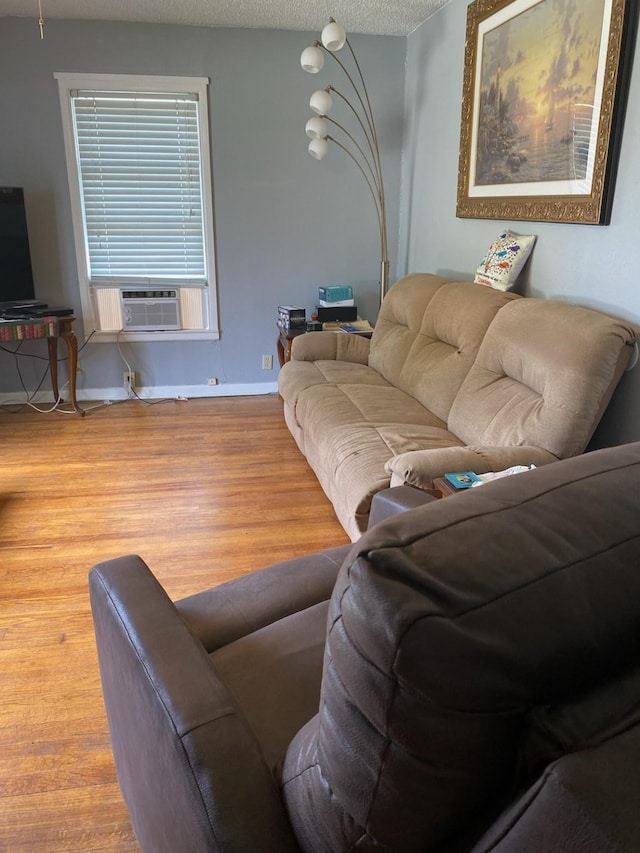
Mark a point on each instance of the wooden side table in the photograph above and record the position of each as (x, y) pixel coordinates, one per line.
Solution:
(50, 328)
(285, 341)
(442, 485)
(69, 337)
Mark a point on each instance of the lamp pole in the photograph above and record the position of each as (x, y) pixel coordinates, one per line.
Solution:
(366, 156)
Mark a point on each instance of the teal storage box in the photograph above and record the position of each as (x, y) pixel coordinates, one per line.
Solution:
(335, 293)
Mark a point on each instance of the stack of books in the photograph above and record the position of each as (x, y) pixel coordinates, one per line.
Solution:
(292, 317)
(356, 327)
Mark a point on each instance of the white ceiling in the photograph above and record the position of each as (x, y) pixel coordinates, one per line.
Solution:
(381, 17)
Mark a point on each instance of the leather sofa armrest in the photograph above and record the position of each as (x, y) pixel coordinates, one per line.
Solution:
(582, 801)
(331, 346)
(188, 763)
(234, 609)
(390, 502)
(420, 467)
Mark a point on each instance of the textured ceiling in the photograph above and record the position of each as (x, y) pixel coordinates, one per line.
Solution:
(382, 17)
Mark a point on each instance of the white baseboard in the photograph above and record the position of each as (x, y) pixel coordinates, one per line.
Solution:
(153, 393)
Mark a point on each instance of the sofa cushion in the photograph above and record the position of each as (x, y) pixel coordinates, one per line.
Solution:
(349, 462)
(399, 321)
(543, 376)
(274, 675)
(324, 407)
(348, 430)
(299, 376)
(323, 346)
(428, 353)
(447, 625)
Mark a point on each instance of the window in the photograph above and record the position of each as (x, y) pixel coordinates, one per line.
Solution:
(138, 161)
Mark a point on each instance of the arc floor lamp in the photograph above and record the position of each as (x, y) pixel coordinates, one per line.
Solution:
(366, 153)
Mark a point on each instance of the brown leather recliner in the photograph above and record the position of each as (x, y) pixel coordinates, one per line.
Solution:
(465, 677)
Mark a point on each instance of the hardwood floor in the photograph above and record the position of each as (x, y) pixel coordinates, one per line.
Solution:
(204, 491)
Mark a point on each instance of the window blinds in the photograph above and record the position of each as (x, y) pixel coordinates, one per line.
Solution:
(140, 177)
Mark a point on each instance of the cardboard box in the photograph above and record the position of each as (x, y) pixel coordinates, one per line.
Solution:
(335, 293)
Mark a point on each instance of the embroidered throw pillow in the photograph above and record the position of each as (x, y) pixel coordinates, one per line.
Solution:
(504, 260)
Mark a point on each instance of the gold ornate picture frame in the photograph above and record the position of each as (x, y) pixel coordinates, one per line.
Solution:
(544, 93)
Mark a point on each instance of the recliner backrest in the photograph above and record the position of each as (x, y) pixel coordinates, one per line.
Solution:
(428, 334)
(448, 626)
(543, 377)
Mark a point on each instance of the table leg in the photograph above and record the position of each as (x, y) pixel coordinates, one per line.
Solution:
(69, 337)
(53, 366)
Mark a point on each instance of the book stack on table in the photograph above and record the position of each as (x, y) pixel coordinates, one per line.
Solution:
(356, 327)
(292, 318)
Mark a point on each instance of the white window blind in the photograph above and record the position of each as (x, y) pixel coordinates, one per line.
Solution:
(139, 165)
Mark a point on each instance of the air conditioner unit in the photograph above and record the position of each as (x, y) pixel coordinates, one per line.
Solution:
(150, 310)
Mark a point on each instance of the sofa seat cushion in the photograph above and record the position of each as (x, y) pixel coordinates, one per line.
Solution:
(349, 462)
(322, 407)
(274, 675)
(297, 377)
(348, 432)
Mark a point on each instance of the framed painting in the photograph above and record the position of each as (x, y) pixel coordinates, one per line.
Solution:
(545, 89)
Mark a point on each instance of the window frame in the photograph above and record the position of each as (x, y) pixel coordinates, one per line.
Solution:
(68, 82)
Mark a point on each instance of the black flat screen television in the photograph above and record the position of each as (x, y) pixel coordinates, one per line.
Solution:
(16, 279)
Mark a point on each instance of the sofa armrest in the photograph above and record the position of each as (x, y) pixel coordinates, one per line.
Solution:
(583, 801)
(187, 761)
(331, 346)
(390, 502)
(420, 467)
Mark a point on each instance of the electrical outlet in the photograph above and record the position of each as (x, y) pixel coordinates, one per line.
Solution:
(267, 362)
(129, 380)
(213, 380)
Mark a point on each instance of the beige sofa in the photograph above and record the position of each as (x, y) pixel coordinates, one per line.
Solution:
(456, 377)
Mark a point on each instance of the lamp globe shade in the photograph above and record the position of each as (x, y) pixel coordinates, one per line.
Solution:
(312, 59)
(318, 148)
(316, 128)
(333, 36)
(321, 102)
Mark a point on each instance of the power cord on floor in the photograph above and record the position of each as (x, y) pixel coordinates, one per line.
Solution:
(56, 407)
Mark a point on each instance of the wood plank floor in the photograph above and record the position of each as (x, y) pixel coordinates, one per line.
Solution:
(204, 491)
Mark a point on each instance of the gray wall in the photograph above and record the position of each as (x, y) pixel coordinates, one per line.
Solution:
(285, 223)
(596, 266)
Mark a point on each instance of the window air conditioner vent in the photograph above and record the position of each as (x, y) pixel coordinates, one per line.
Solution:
(150, 310)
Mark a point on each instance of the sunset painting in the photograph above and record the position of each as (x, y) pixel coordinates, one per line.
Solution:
(537, 91)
